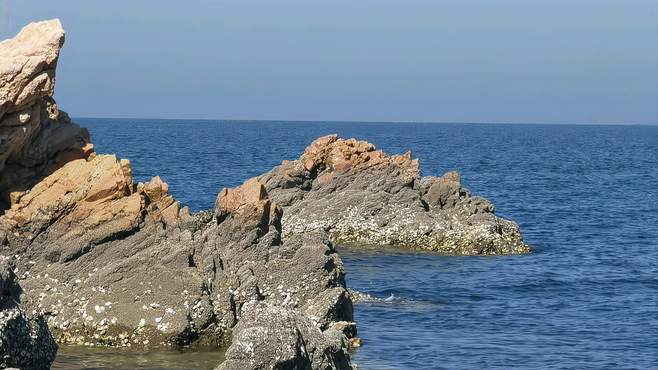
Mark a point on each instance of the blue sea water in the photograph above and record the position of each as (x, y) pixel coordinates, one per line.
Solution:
(585, 197)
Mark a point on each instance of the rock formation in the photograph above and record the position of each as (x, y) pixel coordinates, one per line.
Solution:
(111, 262)
(35, 136)
(360, 195)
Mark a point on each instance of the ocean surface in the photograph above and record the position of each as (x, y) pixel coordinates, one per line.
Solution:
(585, 197)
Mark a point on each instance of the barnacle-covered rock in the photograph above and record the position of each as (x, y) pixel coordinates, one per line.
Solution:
(361, 195)
(25, 340)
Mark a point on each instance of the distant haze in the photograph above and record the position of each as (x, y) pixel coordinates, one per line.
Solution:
(562, 61)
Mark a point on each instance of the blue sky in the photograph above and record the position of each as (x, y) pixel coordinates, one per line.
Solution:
(561, 61)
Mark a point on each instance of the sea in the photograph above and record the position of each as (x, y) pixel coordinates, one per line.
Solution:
(585, 197)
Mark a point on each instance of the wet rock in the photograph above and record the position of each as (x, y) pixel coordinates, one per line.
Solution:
(358, 297)
(25, 340)
(360, 195)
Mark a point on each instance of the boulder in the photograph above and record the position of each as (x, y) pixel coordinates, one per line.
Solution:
(25, 341)
(35, 136)
(273, 337)
(229, 200)
(27, 67)
(182, 283)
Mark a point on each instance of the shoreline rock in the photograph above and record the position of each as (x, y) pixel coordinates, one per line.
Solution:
(25, 341)
(360, 195)
(110, 262)
(107, 261)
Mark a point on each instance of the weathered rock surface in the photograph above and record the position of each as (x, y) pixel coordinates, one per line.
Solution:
(360, 195)
(25, 341)
(138, 279)
(111, 262)
(35, 136)
(273, 337)
(27, 67)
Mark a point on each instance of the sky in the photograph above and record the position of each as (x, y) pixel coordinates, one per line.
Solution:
(521, 61)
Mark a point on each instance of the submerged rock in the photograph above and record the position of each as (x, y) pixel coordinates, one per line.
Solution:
(111, 262)
(360, 195)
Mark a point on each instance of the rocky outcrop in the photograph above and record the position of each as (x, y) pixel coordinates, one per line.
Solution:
(111, 262)
(25, 341)
(85, 203)
(35, 136)
(107, 261)
(139, 279)
(360, 195)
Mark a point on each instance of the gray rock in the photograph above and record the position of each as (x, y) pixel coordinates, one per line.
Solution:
(273, 337)
(187, 283)
(25, 340)
(360, 195)
(9, 289)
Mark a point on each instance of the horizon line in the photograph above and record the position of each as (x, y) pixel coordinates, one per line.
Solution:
(369, 121)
